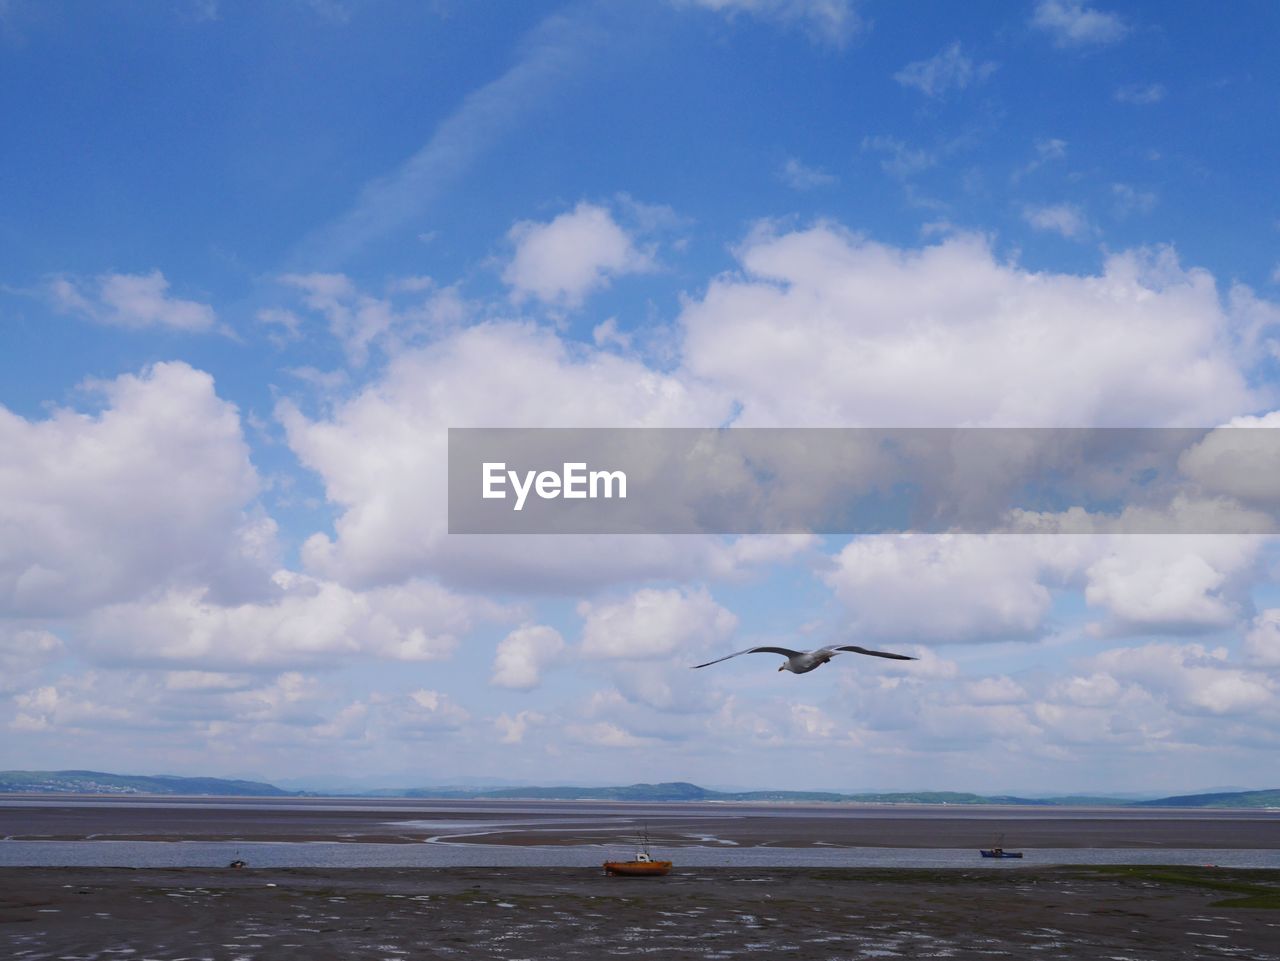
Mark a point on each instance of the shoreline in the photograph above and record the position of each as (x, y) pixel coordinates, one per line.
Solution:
(1150, 912)
(669, 826)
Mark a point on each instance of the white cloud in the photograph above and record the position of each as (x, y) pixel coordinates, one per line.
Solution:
(654, 624)
(361, 322)
(1094, 690)
(1072, 24)
(284, 326)
(979, 588)
(1140, 94)
(206, 681)
(606, 734)
(308, 622)
(1065, 219)
(1262, 643)
(943, 334)
(427, 713)
(1241, 461)
(1192, 678)
(648, 642)
(828, 21)
(153, 490)
(1172, 582)
(757, 551)
(995, 690)
(947, 335)
(133, 301)
(578, 252)
(382, 456)
(950, 69)
(73, 706)
(512, 730)
(524, 654)
(606, 334)
(941, 588)
(799, 176)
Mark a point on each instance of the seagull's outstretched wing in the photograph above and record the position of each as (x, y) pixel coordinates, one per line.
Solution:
(753, 650)
(863, 650)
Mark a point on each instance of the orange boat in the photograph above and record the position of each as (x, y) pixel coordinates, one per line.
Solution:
(641, 866)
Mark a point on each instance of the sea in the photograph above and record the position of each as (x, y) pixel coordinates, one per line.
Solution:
(457, 835)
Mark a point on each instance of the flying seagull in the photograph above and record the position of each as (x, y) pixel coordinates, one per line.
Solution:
(802, 662)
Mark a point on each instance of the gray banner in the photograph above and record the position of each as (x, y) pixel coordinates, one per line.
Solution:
(863, 480)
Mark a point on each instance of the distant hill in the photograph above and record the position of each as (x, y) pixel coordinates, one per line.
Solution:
(684, 791)
(97, 782)
(1230, 799)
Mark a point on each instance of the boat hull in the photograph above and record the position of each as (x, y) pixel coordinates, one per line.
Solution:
(1001, 854)
(637, 869)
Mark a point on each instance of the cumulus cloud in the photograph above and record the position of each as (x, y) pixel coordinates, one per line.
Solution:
(881, 335)
(1072, 24)
(1172, 582)
(942, 588)
(308, 622)
(132, 301)
(950, 69)
(647, 643)
(828, 21)
(948, 335)
(562, 261)
(1191, 677)
(654, 624)
(1242, 460)
(1262, 642)
(524, 654)
(382, 457)
(79, 705)
(155, 489)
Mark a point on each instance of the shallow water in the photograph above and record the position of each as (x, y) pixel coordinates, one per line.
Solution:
(167, 854)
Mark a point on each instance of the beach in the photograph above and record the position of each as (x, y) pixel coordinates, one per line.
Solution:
(813, 901)
(567, 823)
(1085, 913)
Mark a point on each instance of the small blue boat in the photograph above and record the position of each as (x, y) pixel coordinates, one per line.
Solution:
(999, 853)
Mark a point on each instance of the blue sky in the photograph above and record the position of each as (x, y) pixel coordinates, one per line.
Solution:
(258, 257)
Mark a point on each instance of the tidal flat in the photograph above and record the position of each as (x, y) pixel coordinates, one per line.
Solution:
(1137, 913)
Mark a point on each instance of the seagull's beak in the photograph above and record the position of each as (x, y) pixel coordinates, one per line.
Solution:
(782, 667)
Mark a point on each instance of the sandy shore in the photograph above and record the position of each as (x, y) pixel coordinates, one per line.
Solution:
(669, 827)
(1146, 913)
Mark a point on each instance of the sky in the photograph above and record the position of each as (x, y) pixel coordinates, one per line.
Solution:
(257, 258)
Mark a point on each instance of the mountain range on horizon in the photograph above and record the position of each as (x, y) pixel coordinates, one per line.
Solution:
(100, 783)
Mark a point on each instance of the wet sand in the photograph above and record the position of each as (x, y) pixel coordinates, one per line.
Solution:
(669, 826)
(1063, 913)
